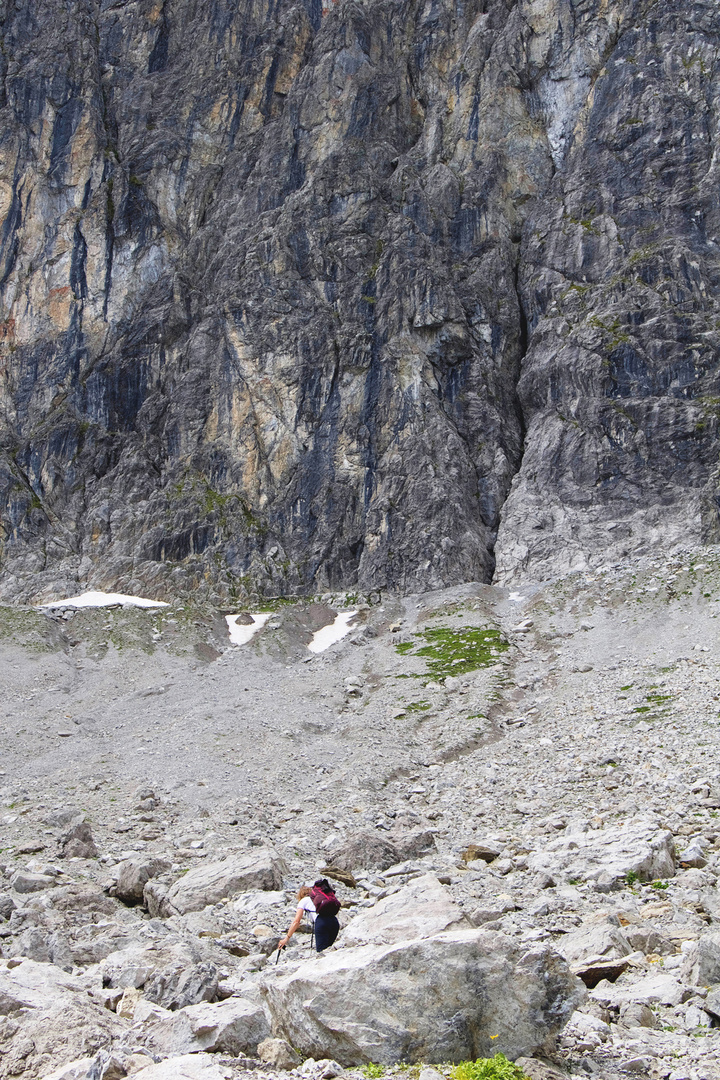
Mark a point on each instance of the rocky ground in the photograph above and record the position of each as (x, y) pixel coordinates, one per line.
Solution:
(505, 776)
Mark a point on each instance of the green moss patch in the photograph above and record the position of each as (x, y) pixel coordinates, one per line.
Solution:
(455, 652)
(25, 627)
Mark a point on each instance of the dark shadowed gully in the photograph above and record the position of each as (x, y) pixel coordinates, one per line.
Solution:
(393, 294)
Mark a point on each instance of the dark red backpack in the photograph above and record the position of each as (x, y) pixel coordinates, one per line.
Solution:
(326, 903)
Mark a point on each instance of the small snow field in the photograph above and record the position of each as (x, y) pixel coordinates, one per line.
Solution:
(332, 633)
(241, 634)
(102, 599)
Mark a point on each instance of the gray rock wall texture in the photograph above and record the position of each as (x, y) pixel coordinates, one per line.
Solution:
(395, 294)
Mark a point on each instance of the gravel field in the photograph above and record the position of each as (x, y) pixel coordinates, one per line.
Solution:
(558, 728)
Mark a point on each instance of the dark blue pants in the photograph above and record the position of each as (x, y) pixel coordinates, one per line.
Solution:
(327, 929)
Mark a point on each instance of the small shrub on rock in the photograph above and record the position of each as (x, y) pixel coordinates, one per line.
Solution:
(494, 1068)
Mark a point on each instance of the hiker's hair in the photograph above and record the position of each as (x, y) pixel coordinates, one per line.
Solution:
(324, 884)
(303, 891)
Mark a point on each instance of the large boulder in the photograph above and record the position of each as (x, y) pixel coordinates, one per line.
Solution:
(278, 1054)
(660, 988)
(639, 847)
(79, 842)
(260, 869)
(80, 900)
(26, 881)
(701, 964)
(7, 906)
(457, 995)
(596, 951)
(187, 1067)
(596, 940)
(66, 933)
(50, 1020)
(365, 850)
(421, 909)
(32, 985)
(173, 975)
(258, 900)
(134, 874)
(235, 1026)
(413, 845)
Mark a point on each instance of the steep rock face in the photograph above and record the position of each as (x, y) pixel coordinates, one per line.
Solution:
(620, 275)
(283, 284)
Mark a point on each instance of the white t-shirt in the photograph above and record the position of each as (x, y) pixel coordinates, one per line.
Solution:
(307, 906)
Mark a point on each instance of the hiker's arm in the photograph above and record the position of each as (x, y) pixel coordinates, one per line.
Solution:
(293, 927)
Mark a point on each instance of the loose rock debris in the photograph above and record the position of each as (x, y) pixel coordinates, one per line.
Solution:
(550, 817)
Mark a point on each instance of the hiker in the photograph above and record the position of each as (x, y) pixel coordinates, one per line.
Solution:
(321, 905)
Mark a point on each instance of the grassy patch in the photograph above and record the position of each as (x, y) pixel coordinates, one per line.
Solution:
(418, 706)
(655, 707)
(276, 603)
(455, 652)
(494, 1068)
(27, 628)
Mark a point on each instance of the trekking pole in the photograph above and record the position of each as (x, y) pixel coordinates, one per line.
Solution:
(278, 955)
(312, 935)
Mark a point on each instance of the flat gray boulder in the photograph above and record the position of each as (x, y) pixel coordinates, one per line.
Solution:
(261, 868)
(54, 1015)
(185, 1067)
(660, 988)
(598, 940)
(173, 975)
(32, 985)
(26, 882)
(235, 1026)
(639, 847)
(422, 908)
(476, 993)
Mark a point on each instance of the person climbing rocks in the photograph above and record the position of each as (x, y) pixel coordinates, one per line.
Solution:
(321, 905)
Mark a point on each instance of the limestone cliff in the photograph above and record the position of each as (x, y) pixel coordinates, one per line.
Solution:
(303, 295)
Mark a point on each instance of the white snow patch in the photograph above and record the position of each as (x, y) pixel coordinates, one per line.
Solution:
(516, 597)
(334, 631)
(104, 599)
(240, 635)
